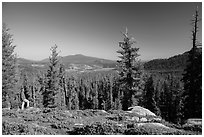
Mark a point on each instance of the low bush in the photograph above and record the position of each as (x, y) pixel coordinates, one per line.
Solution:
(115, 117)
(197, 128)
(9, 113)
(153, 131)
(39, 130)
(24, 129)
(14, 128)
(136, 131)
(106, 128)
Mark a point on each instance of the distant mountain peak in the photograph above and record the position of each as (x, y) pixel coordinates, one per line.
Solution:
(75, 59)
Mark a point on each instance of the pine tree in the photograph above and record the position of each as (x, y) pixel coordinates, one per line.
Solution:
(177, 104)
(157, 94)
(40, 88)
(81, 94)
(95, 99)
(72, 95)
(193, 77)
(117, 95)
(25, 86)
(129, 70)
(34, 90)
(8, 67)
(149, 98)
(62, 85)
(165, 101)
(111, 92)
(51, 84)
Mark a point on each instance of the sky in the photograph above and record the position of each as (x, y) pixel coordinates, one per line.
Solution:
(161, 30)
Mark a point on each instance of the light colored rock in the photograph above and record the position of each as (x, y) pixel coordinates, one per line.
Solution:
(140, 111)
(5, 108)
(78, 124)
(194, 121)
(120, 125)
(136, 119)
(36, 125)
(32, 109)
(68, 113)
(104, 111)
(143, 120)
(156, 119)
(158, 125)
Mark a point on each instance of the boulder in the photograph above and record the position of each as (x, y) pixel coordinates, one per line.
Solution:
(119, 125)
(155, 125)
(99, 112)
(5, 108)
(156, 119)
(137, 119)
(78, 124)
(143, 120)
(103, 111)
(140, 111)
(194, 121)
(67, 113)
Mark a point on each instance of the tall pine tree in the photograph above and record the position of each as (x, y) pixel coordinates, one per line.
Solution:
(193, 77)
(52, 84)
(129, 70)
(8, 67)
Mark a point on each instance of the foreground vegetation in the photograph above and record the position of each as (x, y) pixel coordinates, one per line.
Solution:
(35, 121)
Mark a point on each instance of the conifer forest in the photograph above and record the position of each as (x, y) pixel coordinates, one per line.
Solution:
(98, 102)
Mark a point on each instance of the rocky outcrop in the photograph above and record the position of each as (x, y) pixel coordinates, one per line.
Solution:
(140, 111)
(139, 114)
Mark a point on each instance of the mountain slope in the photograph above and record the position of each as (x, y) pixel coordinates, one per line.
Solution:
(177, 62)
(24, 61)
(77, 59)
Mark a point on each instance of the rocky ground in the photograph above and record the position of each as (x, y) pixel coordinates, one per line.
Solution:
(35, 121)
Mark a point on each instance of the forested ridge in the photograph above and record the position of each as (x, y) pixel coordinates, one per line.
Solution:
(177, 62)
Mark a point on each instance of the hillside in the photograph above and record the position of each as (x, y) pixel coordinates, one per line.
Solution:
(77, 61)
(80, 59)
(177, 62)
(24, 61)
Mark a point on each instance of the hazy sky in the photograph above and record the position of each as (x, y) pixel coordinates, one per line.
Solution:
(160, 29)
